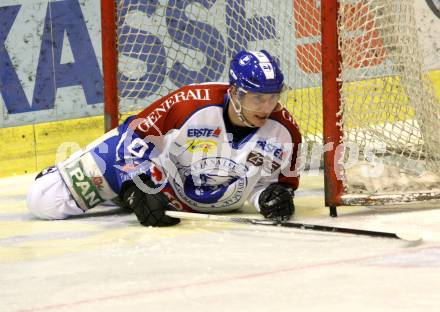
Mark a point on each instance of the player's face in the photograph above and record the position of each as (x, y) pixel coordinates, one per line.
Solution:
(257, 107)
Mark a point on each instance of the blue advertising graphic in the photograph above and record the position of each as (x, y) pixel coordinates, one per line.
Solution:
(63, 20)
(39, 83)
(214, 44)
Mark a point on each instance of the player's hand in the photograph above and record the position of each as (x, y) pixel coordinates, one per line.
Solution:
(276, 202)
(148, 208)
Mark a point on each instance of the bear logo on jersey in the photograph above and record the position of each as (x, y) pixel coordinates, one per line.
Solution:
(212, 182)
(207, 188)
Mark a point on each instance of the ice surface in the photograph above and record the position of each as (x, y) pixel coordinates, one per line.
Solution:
(105, 261)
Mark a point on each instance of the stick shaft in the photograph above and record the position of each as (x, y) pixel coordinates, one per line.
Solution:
(302, 226)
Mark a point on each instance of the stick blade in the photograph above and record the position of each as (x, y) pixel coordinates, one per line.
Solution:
(410, 237)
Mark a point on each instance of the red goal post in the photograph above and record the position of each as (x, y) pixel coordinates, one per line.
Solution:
(331, 87)
(110, 63)
(354, 70)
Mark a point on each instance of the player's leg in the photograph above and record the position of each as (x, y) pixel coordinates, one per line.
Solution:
(49, 198)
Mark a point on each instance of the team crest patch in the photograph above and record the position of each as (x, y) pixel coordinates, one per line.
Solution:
(213, 182)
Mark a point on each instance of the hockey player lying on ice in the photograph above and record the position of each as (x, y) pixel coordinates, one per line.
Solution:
(205, 148)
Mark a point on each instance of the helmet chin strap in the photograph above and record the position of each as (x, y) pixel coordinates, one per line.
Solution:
(237, 109)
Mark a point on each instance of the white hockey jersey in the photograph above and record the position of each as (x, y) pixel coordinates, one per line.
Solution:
(181, 142)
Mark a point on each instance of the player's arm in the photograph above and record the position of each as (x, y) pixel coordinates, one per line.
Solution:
(149, 130)
(137, 153)
(134, 177)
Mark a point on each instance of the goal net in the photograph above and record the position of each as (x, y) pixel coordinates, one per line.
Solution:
(386, 118)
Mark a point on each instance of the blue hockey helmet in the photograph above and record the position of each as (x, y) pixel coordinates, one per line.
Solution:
(256, 72)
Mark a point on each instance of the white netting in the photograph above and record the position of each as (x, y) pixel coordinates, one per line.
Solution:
(388, 106)
(386, 98)
(167, 44)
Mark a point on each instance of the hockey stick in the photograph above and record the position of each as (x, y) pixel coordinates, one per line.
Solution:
(297, 225)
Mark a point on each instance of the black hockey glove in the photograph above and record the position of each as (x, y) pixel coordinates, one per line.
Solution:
(148, 208)
(276, 202)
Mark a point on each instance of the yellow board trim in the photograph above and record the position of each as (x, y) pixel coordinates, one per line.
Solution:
(31, 148)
